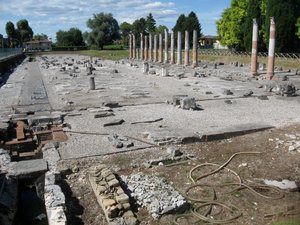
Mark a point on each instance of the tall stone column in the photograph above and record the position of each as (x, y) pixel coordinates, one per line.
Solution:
(179, 51)
(160, 54)
(150, 48)
(142, 47)
(186, 49)
(166, 46)
(195, 49)
(172, 61)
(254, 48)
(271, 57)
(133, 47)
(146, 49)
(130, 46)
(155, 48)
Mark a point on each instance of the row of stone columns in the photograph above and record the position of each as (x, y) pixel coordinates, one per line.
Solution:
(159, 51)
(271, 54)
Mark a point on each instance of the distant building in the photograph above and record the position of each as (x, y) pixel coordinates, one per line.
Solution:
(210, 41)
(38, 45)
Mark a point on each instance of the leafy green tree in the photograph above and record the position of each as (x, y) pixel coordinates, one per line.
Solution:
(139, 26)
(160, 29)
(125, 29)
(11, 33)
(298, 27)
(150, 24)
(285, 16)
(253, 11)
(229, 25)
(24, 30)
(104, 29)
(40, 37)
(72, 37)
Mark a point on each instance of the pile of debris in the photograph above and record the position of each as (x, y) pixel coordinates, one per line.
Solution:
(155, 194)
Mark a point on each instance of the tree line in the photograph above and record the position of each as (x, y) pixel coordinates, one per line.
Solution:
(235, 25)
(104, 30)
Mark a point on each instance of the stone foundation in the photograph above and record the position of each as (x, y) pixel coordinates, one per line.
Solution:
(111, 197)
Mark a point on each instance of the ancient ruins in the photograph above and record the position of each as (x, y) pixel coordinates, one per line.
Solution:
(156, 138)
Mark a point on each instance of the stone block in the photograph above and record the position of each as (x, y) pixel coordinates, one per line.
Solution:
(174, 152)
(108, 202)
(101, 189)
(105, 173)
(56, 216)
(110, 177)
(122, 198)
(188, 103)
(119, 190)
(126, 206)
(27, 168)
(114, 183)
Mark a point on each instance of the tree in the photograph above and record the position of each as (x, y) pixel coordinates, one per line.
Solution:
(180, 24)
(160, 29)
(104, 29)
(72, 37)
(229, 25)
(253, 11)
(150, 24)
(285, 16)
(192, 23)
(40, 37)
(11, 33)
(298, 27)
(125, 29)
(24, 30)
(139, 26)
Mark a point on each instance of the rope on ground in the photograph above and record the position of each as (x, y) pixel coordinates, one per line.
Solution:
(212, 202)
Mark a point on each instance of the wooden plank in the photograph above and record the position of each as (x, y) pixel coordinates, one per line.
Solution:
(20, 131)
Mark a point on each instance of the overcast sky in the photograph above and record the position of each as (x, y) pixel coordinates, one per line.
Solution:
(49, 16)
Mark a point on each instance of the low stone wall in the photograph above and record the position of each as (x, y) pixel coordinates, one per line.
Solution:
(53, 195)
(111, 197)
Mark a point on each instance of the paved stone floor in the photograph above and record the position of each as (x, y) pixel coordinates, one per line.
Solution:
(41, 86)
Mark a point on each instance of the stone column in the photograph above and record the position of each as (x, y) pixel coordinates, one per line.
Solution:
(92, 83)
(142, 47)
(146, 49)
(150, 47)
(133, 47)
(172, 61)
(271, 57)
(155, 49)
(195, 49)
(179, 51)
(186, 49)
(138, 53)
(166, 46)
(160, 54)
(130, 46)
(254, 48)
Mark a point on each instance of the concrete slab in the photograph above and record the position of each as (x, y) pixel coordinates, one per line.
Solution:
(27, 168)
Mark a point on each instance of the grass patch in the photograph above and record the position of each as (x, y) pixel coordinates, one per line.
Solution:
(106, 54)
(294, 221)
(123, 54)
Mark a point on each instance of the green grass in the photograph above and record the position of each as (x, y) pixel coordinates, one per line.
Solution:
(106, 54)
(294, 221)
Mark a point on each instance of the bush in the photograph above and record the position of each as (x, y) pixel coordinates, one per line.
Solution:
(113, 47)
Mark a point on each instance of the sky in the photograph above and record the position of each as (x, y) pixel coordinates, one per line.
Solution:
(49, 16)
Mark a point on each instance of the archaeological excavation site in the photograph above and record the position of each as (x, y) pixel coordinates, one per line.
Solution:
(160, 137)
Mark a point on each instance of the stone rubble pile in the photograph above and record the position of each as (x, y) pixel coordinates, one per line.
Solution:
(293, 144)
(155, 194)
(111, 197)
